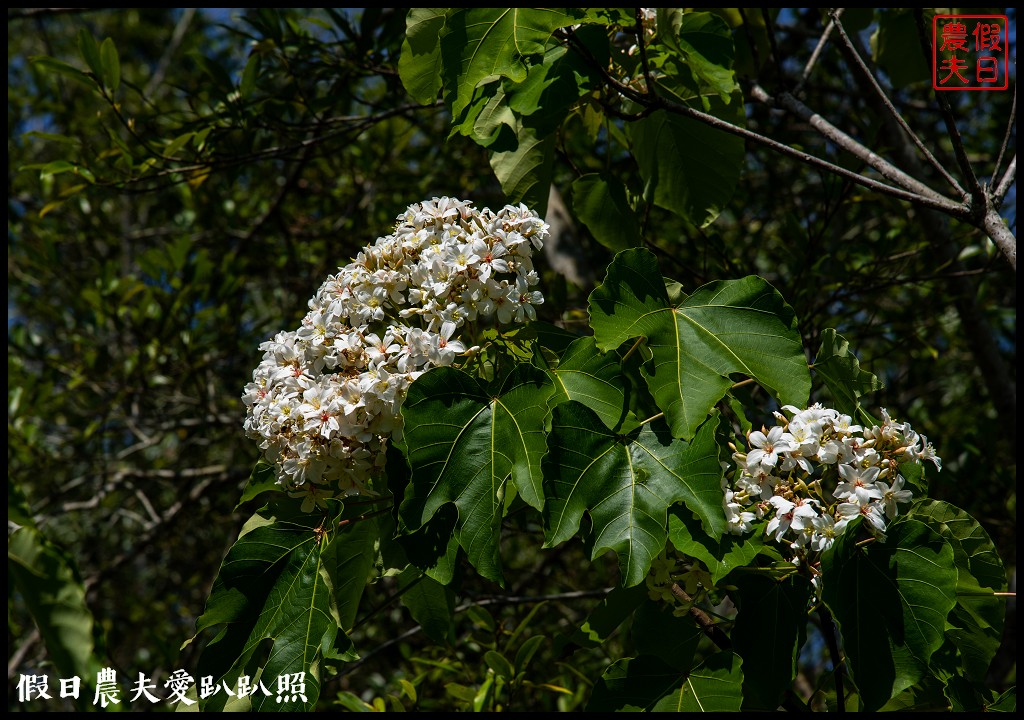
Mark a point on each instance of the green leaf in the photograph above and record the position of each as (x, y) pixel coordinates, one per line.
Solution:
(689, 167)
(557, 83)
(890, 600)
(599, 201)
(46, 578)
(770, 629)
(430, 603)
(713, 686)
(499, 664)
(478, 43)
(62, 68)
(250, 75)
(658, 632)
(608, 615)
(263, 479)
(525, 170)
(347, 561)
(705, 43)
(595, 379)
(720, 555)
(90, 52)
(419, 65)
(840, 370)
(272, 590)
(111, 63)
(633, 684)
(463, 446)
(896, 48)
(626, 484)
(976, 623)
(1007, 702)
(733, 326)
(526, 652)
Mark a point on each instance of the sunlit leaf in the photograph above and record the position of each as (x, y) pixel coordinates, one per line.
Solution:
(525, 170)
(626, 483)
(713, 686)
(465, 444)
(111, 63)
(720, 555)
(595, 379)
(419, 65)
(976, 623)
(481, 42)
(734, 326)
(272, 589)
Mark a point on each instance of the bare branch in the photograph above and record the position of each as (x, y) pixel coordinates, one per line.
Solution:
(932, 200)
(855, 59)
(1006, 183)
(1001, 236)
(172, 47)
(947, 117)
(836, 14)
(885, 168)
(1006, 138)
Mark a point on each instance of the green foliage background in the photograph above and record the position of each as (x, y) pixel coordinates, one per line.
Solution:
(171, 213)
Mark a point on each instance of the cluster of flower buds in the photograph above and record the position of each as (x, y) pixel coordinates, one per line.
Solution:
(327, 396)
(815, 471)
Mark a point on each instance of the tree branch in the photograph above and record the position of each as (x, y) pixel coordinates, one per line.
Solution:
(854, 58)
(806, 74)
(947, 117)
(1001, 235)
(831, 132)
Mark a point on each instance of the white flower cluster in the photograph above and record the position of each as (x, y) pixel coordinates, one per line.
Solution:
(326, 397)
(787, 474)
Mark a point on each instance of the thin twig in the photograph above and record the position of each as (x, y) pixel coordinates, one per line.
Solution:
(947, 117)
(944, 205)
(648, 76)
(157, 78)
(831, 132)
(1006, 183)
(769, 25)
(858, 62)
(806, 74)
(1006, 138)
(707, 625)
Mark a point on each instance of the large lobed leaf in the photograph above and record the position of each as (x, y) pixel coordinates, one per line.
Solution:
(647, 683)
(975, 627)
(463, 447)
(47, 579)
(626, 483)
(733, 326)
(687, 166)
(419, 65)
(594, 379)
(479, 43)
(770, 629)
(277, 587)
(841, 371)
(890, 600)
